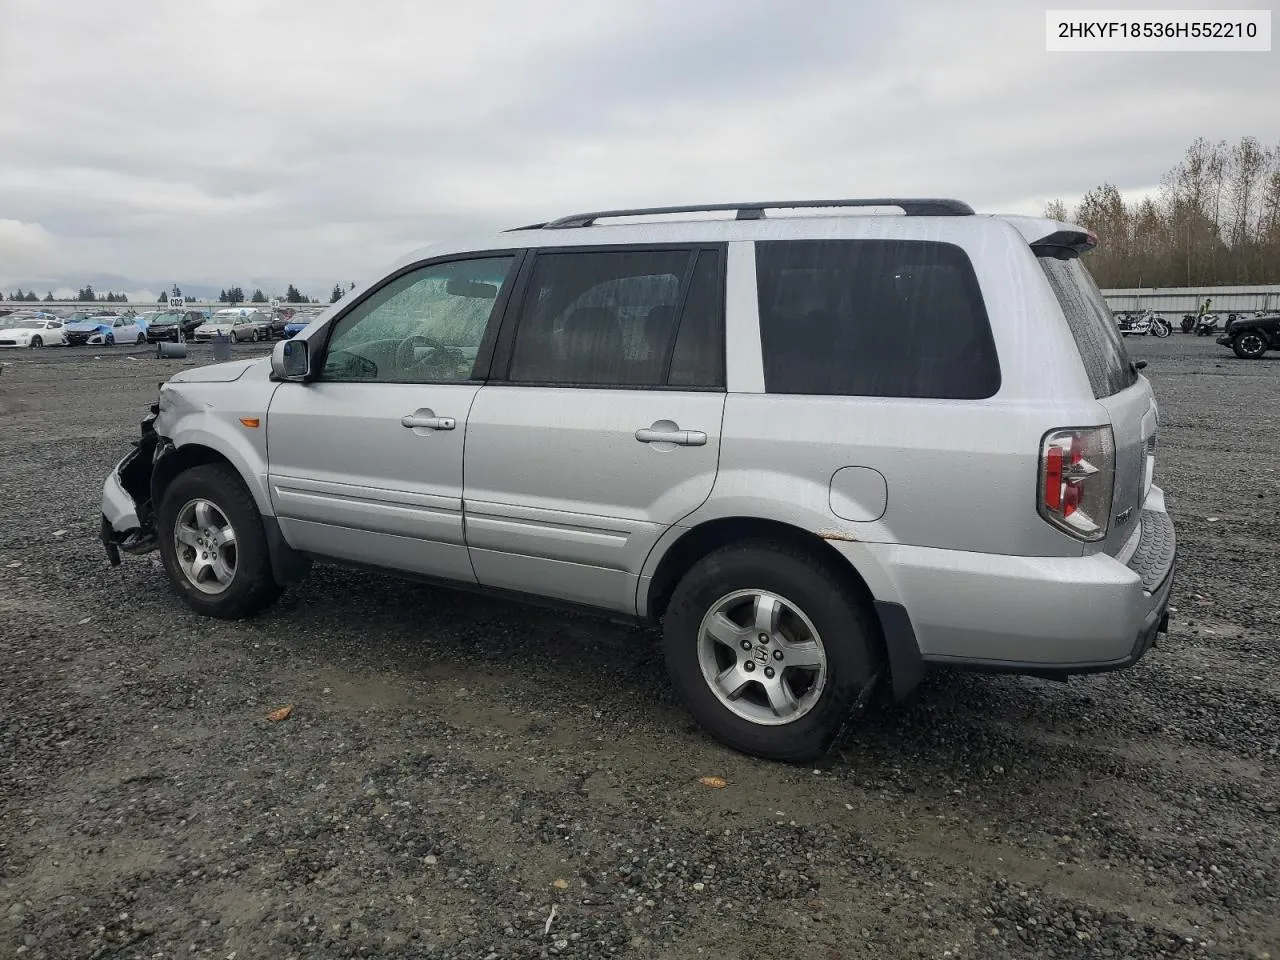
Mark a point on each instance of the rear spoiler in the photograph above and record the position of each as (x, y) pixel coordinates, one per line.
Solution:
(1065, 244)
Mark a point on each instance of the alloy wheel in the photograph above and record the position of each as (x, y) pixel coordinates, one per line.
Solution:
(204, 543)
(762, 657)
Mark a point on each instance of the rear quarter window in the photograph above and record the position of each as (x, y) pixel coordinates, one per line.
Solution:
(873, 318)
(1094, 328)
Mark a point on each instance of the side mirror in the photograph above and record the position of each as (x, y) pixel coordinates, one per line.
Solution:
(290, 360)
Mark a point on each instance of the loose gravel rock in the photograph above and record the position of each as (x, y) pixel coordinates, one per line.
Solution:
(464, 778)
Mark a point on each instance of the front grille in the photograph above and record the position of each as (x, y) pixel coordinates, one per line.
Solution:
(1157, 545)
(8, 343)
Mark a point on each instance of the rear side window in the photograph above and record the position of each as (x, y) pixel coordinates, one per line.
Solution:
(639, 318)
(873, 318)
(1094, 328)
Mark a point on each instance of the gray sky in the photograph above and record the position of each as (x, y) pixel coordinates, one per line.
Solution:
(226, 140)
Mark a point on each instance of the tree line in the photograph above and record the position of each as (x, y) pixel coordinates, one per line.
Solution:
(236, 295)
(292, 295)
(84, 295)
(1214, 222)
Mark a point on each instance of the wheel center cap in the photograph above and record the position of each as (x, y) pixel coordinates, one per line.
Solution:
(761, 654)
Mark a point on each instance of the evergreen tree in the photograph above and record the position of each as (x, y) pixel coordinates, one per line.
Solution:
(258, 296)
(337, 293)
(163, 298)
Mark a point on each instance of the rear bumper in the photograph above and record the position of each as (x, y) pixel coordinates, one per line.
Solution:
(1049, 616)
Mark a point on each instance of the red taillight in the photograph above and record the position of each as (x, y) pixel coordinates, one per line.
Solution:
(1077, 471)
(1053, 478)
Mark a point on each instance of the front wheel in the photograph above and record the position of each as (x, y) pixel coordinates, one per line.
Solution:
(142, 339)
(768, 650)
(109, 340)
(1249, 345)
(36, 342)
(1162, 330)
(213, 545)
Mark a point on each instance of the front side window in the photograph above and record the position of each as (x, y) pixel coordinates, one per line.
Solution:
(873, 318)
(614, 318)
(423, 327)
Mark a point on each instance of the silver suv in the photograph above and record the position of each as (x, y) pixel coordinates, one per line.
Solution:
(818, 450)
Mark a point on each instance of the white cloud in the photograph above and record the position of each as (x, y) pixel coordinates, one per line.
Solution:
(315, 139)
(26, 248)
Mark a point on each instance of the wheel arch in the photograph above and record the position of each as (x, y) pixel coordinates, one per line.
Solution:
(178, 460)
(895, 640)
(287, 565)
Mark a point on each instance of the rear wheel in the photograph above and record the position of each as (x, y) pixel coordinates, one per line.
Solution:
(768, 650)
(213, 545)
(1249, 345)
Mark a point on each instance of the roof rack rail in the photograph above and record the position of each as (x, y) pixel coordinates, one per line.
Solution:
(919, 207)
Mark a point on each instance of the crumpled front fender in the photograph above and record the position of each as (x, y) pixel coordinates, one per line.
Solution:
(128, 514)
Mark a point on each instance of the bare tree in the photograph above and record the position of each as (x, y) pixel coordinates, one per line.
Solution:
(1216, 220)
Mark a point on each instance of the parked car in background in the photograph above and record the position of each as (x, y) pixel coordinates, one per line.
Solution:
(277, 322)
(94, 331)
(105, 330)
(1252, 336)
(173, 325)
(128, 330)
(17, 330)
(240, 323)
(295, 326)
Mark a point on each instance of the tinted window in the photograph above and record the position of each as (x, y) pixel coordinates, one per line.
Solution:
(873, 318)
(423, 327)
(698, 358)
(1097, 338)
(601, 317)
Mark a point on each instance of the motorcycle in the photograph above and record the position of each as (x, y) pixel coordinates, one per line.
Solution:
(1145, 323)
(1206, 325)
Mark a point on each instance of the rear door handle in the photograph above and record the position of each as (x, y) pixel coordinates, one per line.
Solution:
(412, 420)
(684, 438)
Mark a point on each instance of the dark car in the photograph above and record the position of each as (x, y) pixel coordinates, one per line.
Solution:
(277, 324)
(165, 326)
(1251, 337)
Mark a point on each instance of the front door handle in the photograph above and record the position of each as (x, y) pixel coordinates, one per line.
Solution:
(428, 421)
(683, 438)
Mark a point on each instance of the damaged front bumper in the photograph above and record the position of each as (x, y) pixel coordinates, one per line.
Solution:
(128, 513)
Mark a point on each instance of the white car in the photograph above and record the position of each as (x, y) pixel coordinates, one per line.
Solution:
(32, 332)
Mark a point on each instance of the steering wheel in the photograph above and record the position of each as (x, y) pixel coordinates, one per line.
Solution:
(406, 356)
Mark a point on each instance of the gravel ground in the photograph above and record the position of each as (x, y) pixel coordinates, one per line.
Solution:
(464, 778)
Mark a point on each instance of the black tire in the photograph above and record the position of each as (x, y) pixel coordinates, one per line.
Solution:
(109, 340)
(253, 588)
(36, 342)
(142, 338)
(850, 636)
(1249, 344)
